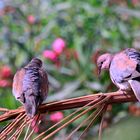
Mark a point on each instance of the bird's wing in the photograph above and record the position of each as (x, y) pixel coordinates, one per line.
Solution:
(135, 56)
(18, 84)
(135, 77)
(44, 83)
(135, 85)
(122, 67)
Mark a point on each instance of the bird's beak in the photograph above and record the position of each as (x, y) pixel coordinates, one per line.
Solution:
(99, 71)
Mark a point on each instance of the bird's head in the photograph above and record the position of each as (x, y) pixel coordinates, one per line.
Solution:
(35, 62)
(103, 62)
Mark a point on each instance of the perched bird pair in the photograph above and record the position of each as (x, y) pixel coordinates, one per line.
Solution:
(124, 69)
(30, 86)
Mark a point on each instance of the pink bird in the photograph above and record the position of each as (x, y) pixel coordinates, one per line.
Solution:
(30, 86)
(124, 69)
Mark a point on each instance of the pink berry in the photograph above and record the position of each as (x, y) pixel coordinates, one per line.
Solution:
(58, 45)
(31, 19)
(56, 117)
(4, 83)
(6, 72)
(49, 54)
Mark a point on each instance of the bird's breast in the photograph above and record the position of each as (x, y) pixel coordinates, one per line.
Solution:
(124, 86)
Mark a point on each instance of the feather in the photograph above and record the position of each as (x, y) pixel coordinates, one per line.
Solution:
(135, 85)
(30, 86)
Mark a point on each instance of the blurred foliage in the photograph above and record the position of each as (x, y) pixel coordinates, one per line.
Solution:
(28, 28)
(120, 130)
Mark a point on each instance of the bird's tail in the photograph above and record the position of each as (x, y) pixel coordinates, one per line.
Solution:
(31, 105)
(135, 85)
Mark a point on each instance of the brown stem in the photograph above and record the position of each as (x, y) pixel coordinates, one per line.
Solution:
(67, 117)
(101, 124)
(92, 121)
(84, 122)
(116, 97)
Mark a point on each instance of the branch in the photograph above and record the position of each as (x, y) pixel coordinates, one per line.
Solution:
(116, 97)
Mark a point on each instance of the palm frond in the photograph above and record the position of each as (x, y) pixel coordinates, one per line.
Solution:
(97, 104)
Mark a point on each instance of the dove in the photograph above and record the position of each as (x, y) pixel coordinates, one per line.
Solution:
(30, 86)
(124, 69)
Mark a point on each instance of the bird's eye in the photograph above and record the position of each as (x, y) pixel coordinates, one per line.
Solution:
(101, 63)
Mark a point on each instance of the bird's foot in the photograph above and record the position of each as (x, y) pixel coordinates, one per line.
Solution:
(123, 92)
(102, 95)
